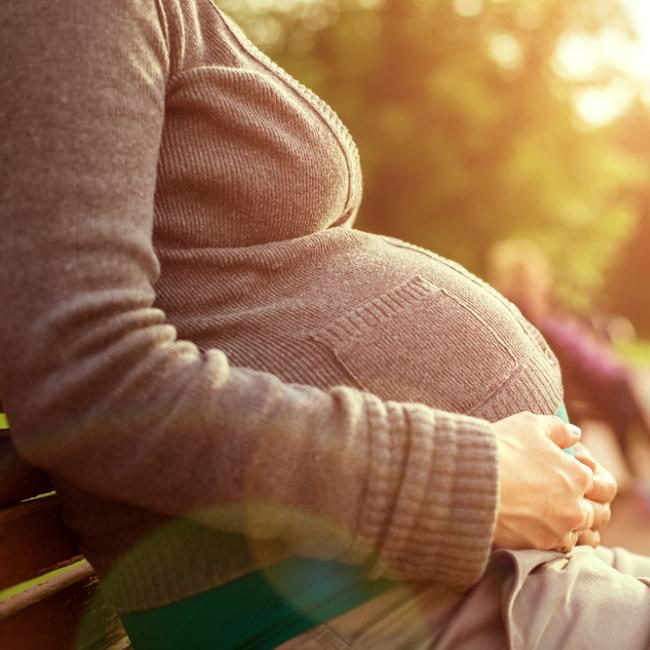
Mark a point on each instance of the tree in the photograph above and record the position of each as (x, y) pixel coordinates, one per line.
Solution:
(627, 289)
(466, 130)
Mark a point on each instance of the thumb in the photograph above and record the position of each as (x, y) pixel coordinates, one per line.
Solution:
(562, 434)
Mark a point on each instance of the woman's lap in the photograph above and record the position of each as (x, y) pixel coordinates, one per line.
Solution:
(527, 599)
(590, 599)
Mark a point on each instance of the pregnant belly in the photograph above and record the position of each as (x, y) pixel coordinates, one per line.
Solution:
(344, 307)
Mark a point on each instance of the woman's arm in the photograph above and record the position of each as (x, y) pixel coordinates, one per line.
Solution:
(100, 391)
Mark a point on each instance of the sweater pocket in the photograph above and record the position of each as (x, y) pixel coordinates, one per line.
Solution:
(420, 343)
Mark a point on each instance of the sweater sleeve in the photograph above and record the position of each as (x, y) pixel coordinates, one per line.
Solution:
(101, 392)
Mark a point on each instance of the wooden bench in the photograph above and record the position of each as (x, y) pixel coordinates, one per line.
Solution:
(62, 609)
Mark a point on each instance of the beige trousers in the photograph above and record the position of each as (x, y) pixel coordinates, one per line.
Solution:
(596, 599)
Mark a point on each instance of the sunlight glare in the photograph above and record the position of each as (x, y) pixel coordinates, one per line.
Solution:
(579, 56)
(600, 106)
(639, 56)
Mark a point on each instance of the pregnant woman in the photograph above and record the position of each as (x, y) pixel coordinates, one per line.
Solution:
(266, 427)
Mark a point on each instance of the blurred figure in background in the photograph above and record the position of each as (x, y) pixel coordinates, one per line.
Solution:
(598, 384)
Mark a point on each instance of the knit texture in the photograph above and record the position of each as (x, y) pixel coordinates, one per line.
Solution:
(214, 367)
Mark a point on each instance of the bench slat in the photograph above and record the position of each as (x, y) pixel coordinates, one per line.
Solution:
(65, 610)
(72, 618)
(33, 541)
(50, 585)
(18, 479)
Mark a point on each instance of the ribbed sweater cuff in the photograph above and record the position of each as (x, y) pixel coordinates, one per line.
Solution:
(432, 495)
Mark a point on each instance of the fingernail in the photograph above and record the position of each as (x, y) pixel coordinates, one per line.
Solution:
(575, 431)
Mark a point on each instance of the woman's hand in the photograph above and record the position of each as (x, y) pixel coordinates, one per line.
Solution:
(542, 489)
(601, 496)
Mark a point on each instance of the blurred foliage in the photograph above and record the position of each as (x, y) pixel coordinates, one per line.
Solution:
(465, 124)
(627, 290)
(636, 352)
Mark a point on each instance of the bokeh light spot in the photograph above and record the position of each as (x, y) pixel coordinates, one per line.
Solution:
(505, 50)
(468, 8)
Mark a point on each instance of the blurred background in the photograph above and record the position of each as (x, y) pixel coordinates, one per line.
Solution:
(528, 121)
(479, 120)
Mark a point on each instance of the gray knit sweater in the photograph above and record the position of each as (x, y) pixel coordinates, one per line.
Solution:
(195, 343)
